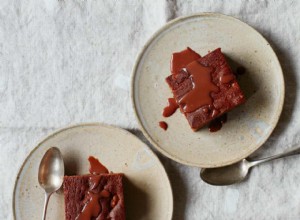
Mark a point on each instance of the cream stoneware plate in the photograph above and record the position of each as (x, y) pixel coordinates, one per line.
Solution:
(148, 193)
(247, 127)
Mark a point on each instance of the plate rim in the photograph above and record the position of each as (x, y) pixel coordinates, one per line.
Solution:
(134, 74)
(60, 130)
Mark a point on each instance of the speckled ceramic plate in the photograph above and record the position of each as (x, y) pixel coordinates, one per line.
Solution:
(248, 126)
(148, 194)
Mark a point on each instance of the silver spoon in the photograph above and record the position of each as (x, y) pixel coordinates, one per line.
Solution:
(51, 174)
(237, 172)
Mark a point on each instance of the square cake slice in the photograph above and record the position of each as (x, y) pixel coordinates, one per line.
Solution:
(205, 89)
(95, 197)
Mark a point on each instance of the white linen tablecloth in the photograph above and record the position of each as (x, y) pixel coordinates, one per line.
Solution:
(66, 62)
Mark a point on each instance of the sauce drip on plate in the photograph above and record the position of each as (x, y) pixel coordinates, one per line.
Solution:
(171, 108)
(163, 125)
(96, 167)
(181, 59)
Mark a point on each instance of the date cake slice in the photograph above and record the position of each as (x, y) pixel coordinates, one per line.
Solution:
(205, 89)
(95, 196)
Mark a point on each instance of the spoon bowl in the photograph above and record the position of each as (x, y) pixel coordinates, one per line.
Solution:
(51, 173)
(226, 175)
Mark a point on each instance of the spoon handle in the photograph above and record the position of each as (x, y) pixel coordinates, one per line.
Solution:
(47, 196)
(290, 152)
